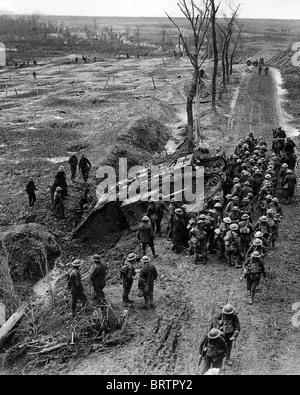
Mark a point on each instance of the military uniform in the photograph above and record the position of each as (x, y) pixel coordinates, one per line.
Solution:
(128, 274)
(213, 350)
(148, 275)
(254, 268)
(75, 286)
(98, 278)
(228, 322)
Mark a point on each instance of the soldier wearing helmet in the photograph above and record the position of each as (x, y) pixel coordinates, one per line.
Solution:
(213, 350)
(75, 286)
(145, 236)
(263, 227)
(228, 322)
(253, 270)
(220, 233)
(128, 274)
(148, 275)
(257, 245)
(288, 186)
(98, 278)
(273, 222)
(232, 243)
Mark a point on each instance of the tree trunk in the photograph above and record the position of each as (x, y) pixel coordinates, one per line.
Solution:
(189, 110)
(11, 323)
(227, 61)
(216, 57)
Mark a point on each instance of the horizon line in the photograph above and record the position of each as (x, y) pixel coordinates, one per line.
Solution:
(130, 16)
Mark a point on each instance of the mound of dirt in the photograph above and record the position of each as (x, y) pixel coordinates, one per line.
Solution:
(29, 250)
(139, 142)
(283, 60)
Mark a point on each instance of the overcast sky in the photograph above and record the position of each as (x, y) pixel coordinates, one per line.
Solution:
(276, 9)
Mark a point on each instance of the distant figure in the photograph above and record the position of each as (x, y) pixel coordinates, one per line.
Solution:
(202, 73)
(34, 75)
(27, 62)
(30, 190)
(266, 70)
(16, 65)
(260, 69)
(76, 60)
(95, 58)
(85, 167)
(84, 200)
(127, 56)
(73, 162)
(35, 63)
(59, 208)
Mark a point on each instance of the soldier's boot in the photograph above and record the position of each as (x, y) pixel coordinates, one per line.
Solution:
(152, 305)
(146, 305)
(251, 297)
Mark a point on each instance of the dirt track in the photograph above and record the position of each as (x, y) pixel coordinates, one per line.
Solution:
(166, 340)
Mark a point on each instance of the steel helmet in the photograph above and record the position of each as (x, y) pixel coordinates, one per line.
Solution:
(179, 211)
(228, 309)
(202, 216)
(217, 205)
(227, 220)
(247, 183)
(216, 199)
(131, 257)
(257, 242)
(58, 189)
(235, 208)
(145, 259)
(214, 334)
(145, 219)
(234, 227)
(269, 197)
(236, 180)
(151, 200)
(275, 200)
(290, 171)
(236, 198)
(256, 254)
(270, 211)
(285, 165)
(258, 235)
(245, 217)
(263, 219)
(77, 263)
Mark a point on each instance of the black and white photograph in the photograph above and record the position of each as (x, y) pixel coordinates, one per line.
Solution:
(149, 198)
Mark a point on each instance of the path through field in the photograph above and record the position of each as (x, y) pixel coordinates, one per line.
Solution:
(167, 340)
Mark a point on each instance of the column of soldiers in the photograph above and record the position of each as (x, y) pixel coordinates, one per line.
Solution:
(241, 229)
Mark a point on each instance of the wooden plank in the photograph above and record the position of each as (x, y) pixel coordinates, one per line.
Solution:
(9, 325)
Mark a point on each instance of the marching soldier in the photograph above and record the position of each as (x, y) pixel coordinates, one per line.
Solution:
(228, 322)
(213, 351)
(148, 275)
(98, 278)
(254, 269)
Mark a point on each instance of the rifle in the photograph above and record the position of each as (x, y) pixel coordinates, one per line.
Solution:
(222, 370)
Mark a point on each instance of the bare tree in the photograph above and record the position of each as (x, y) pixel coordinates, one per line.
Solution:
(138, 37)
(214, 11)
(199, 18)
(163, 40)
(236, 41)
(227, 30)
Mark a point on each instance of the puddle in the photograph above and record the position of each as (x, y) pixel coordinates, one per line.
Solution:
(56, 160)
(32, 128)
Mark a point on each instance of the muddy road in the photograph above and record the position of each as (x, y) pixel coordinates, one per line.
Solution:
(166, 340)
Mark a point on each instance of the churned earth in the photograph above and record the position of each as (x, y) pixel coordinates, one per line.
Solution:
(165, 340)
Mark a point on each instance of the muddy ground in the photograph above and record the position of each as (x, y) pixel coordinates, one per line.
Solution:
(77, 109)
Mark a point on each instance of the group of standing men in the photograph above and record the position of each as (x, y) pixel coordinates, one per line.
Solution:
(59, 187)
